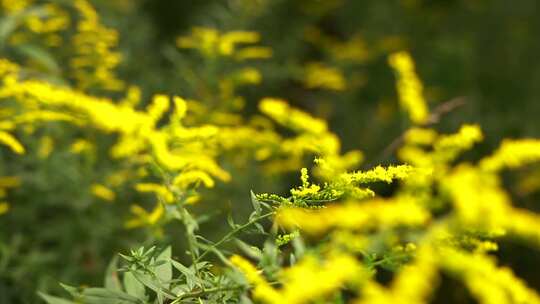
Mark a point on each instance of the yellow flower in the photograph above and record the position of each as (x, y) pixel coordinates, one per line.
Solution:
(420, 136)
(318, 75)
(94, 62)
(375, 213)
(46, 146)
(9, 181)
(4, 207)
(312, 279)
(488, 283)
(262, 290)
(254, 52)
(306, 189)
(11, 142)
(409, 87)
(211, 43)
(144, 218)
(513, 154)
(161, 191)
(103, 192)
(380, 173)
(295, 119)
(229, 40)
(80, 145)
(184, 179)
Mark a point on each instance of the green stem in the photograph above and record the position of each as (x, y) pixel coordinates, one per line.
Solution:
(191, 243)
(201, 293)
(233, 232)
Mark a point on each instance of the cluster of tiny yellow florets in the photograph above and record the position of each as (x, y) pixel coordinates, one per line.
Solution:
(94, 61)
(211, 42)
(6, 182)
(409, 87)
(321, 76)
(44, 21)
(457, 244)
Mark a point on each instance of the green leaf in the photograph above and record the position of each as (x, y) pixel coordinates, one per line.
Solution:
(164, 271)
(106, 296)
(230, 221)
(191, 278)
(73, 291)
(292, 259)
(255, 203)
(251, 251)
(190, 222)
(133, 286)
(259, 228)
(7, 25)
(112, 280)
(151, 283)
(53, 300)
(41, 56)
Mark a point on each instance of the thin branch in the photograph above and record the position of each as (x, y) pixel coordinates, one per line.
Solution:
(232, 233)
(434, 118)
(201, 293)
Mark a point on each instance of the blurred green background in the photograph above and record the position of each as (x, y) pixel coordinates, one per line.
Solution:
(484, 51)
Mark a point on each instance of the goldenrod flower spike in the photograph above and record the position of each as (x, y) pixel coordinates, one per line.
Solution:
(285, 115)
(4, 207)
(11, 142)
(212, 43)
(409, 87)
(376, 213)
(488, 283)
(160, 190)
(513, 154)
(318, 75)
(94, 62)
(144, 218)
(380, 173)
(103, 192)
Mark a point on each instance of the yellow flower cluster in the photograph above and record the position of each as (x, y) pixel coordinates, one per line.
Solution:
(94, 61)
(318, 75)
(306, 189)
(409, 87)
(413, 283)
(376, 213)
(295, 119)
(53, 19)
(175, 147)
(103, 192)
(513, 154)
(262, 289)
(487, 282)
(91, 58)
(144, 218)
(308, 281)
(11, 142)
(352, 50)
(188, 152)
(6, 182)
(212, 43)
(313, 137)
(380, 173)
(36, 20)
(445, 147)
(457, 244)
(15, 6)
(355, 230)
